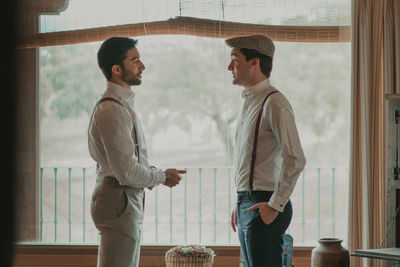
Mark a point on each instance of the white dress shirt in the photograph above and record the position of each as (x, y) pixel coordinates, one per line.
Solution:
(279, 156)
(111, 139)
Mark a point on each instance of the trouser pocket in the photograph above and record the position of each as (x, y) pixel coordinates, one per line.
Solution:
(109, 202)
(120, 203)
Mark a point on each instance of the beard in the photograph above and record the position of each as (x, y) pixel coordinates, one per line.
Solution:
(235, 80)
(133, 82)
(130, 79)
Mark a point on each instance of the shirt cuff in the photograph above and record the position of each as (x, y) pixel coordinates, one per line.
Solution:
(277, 202)
(160, 177)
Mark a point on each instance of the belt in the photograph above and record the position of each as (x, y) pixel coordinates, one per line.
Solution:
(247, 193)
(107, 179)
(114, 182)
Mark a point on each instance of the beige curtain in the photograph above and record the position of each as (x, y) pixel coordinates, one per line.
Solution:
(392, 46)
(375, 71)
(367, 168)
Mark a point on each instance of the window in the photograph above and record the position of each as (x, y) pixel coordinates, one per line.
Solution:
(188, 107)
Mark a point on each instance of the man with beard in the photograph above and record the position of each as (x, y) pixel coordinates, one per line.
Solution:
(268, 154)
(117, 144)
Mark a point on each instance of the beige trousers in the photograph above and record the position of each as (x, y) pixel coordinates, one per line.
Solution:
(117, 212)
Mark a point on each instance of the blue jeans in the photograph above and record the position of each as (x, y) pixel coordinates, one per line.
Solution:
(261, 244)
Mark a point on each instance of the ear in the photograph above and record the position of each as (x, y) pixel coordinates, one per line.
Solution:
(255, 61)
(116, 69)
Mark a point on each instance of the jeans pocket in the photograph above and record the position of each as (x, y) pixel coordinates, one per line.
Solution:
(246, 218)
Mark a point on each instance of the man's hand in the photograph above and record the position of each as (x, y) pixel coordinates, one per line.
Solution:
(173, 177)
(234, 221)
(267, 213)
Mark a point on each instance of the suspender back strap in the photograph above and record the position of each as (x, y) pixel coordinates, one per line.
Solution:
(253, 154)
(134, 126)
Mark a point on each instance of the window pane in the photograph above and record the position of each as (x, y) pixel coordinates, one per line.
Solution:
(189, 108)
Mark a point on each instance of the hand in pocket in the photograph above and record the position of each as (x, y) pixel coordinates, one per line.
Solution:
(267, 213)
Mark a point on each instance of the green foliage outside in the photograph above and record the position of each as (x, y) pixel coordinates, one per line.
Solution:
(186, 82)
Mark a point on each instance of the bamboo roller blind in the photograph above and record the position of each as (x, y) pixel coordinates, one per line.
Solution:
(189, 26)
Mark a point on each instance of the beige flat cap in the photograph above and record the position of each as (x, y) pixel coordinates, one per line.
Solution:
(261, 43)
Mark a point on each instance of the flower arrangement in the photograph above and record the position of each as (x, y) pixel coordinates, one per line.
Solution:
(192, 251)
(190, 256)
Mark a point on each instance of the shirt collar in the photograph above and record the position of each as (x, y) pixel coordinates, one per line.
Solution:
(120, 91)
(256, 89)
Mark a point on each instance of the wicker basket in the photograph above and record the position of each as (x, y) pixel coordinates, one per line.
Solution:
(174, 261)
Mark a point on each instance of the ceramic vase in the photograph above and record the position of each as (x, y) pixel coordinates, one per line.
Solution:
(330, 253)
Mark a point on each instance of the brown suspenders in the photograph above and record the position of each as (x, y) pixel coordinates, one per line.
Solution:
(253, 154)
(134, 130)
(134, 126)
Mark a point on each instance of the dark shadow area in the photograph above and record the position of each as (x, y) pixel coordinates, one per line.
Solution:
(7, 120)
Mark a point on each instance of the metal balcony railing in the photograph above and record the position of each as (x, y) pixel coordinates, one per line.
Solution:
(196, 211)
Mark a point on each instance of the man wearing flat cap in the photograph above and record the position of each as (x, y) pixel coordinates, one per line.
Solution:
(268, 154)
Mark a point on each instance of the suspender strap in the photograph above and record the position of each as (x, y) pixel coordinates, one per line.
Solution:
(253, 154)
(134, 126)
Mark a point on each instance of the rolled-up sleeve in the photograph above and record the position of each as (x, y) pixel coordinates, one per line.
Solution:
(284, 128)
(114, 125)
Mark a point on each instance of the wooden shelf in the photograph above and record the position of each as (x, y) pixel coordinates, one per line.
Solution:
(392, 254)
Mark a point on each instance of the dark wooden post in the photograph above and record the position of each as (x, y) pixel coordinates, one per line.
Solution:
(27, 120)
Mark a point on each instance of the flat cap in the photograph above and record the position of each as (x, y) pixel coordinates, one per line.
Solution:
(261, 43)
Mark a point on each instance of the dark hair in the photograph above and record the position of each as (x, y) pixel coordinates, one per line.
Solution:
(113, 52)
(265, 61)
